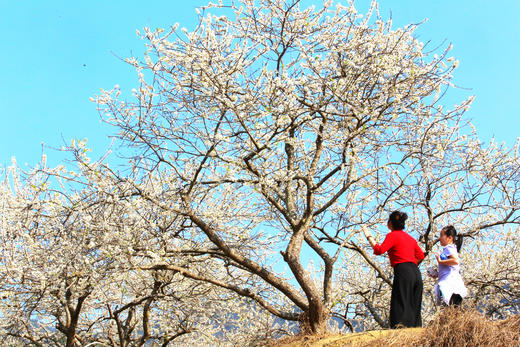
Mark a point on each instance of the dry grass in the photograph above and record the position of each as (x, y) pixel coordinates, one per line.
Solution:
(451, 327)
(470, 328)
(300, 341)
(455, 327)
(371, 338)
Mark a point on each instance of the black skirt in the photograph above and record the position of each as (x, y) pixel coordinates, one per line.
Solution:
(405, 304)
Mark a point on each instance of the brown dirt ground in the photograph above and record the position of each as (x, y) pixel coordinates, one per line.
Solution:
(450, 327)
(355, 339)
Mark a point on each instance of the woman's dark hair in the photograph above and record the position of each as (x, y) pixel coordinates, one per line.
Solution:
(397, 220)
(457, 239)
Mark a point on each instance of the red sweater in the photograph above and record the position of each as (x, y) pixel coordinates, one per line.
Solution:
(401, 247)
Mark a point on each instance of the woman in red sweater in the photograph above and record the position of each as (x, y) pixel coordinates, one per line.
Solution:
(405, 254)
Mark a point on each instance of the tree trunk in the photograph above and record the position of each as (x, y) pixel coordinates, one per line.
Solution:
(315, 320)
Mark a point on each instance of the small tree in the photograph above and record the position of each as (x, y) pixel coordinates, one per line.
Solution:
(48, 263)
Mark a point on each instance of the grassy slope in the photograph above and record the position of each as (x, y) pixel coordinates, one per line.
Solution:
(450, 327)
(360, 339)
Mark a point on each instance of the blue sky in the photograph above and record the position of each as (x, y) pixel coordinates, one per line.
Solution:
(55, 54)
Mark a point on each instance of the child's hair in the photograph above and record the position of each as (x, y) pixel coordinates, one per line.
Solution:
(457, 239)
(397, 220)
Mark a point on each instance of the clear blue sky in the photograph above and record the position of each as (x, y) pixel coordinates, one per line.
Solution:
(55, 54)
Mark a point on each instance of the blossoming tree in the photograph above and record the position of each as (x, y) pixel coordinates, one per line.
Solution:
(277, 131)
(72, 253)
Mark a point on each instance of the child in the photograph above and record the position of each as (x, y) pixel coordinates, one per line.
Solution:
(450, 288)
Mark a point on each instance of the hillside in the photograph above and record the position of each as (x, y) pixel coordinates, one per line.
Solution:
(449, 328)
(359, 339)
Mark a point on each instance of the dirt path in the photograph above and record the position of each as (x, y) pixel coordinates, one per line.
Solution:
(346, 340)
